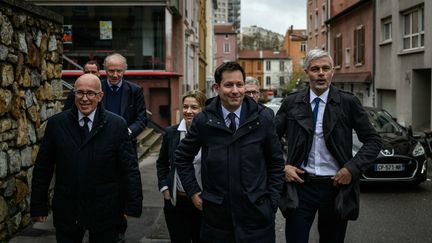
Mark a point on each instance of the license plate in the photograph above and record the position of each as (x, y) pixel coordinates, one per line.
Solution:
(389, 167)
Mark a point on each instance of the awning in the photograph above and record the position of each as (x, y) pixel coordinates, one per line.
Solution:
(364, 77)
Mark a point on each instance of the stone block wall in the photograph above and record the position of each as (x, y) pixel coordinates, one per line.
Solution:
(30, 92)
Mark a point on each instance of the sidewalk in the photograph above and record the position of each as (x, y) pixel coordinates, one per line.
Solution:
(149, 228)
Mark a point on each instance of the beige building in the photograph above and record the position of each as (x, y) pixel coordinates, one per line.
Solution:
(404, 60)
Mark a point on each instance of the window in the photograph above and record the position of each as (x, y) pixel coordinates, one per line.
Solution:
(281, 81)
(316, 20)
(226, 48)
(337, 50)
(386, 26)
(282, 66)
(268, 65)
(310, 23)
(359, 44)
(268, 81)
(323, 14)
(347, 57)
(413, 29)
(303, 46)
(137, 32)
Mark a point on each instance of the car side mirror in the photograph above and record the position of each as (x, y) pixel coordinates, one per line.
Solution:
(410, 131)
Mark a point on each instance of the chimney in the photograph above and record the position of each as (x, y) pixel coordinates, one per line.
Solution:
(290, 30)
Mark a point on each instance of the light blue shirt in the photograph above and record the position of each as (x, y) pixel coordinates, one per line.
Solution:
(119, 84)
(225, 113)
(320, 161)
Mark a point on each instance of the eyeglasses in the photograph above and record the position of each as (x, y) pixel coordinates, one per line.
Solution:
(317, 69)
(113, 71)
(252, 93)
(90, 94)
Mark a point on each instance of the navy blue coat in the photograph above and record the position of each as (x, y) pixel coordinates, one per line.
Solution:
(165, 162)
(242, 173)
(97, 180)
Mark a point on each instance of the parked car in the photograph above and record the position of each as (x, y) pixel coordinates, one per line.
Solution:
(402, 158)
(274, 104)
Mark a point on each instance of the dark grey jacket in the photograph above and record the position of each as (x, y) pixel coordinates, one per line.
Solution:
(343, 114)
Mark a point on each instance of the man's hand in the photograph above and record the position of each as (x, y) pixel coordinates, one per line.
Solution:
(343, 177)
(197, 200)
(166, 195)
(41, 218)
(291, 174)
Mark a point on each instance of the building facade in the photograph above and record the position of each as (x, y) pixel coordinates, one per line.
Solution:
(226, 43)
(404, 60)
(295, 45)
(158, 38)
(351, 39)
(273, 69)
(317, 31)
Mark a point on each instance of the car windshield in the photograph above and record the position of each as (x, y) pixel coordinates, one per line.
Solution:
(383, 122)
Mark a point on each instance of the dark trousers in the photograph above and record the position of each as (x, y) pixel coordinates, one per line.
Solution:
(183, 220)
(106, 236)
(313, 197)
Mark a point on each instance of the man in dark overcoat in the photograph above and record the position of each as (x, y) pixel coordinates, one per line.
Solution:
(97, 182)
(242, 164)
(318, 123)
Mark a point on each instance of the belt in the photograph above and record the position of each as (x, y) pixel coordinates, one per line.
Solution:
(180, 193)
(316, 178)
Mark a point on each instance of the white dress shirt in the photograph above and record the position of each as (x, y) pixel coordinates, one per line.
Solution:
(90, 116)
(320, 161)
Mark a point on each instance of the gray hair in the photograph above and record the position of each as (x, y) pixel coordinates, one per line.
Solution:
(115, 55)
(315, 54)
(252, 80)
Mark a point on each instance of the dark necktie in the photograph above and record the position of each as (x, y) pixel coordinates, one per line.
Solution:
(232, 125)
(85, 128)
(314, 116)
(114, 88)
(315, 112)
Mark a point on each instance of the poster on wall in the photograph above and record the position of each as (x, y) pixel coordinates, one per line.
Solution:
(105, 28)
(67, 34)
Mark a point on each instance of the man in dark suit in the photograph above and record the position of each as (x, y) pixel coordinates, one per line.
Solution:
(98, 183)
(318, 124)
(242, 164)
(122, 97)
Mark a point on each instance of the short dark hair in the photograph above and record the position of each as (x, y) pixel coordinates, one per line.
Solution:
(228, 67)
(93, 62)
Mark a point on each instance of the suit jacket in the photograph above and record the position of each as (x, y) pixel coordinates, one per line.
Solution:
(97, 179)
(165, 162)
(242, 173)
(343, 114)
(133, 108)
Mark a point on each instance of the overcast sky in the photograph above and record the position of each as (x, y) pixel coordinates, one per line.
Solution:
(274, 15)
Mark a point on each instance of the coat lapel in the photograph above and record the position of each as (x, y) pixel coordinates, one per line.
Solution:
(303, 112)
(332, 112)
(124, 97)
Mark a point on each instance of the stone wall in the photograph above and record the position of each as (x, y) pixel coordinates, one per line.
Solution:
(30, 91)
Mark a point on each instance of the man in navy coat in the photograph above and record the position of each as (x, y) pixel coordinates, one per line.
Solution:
(98, 182)
(242, 164)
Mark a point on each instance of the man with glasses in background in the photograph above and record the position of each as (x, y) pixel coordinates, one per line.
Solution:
(98, 183)
(252, 89)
